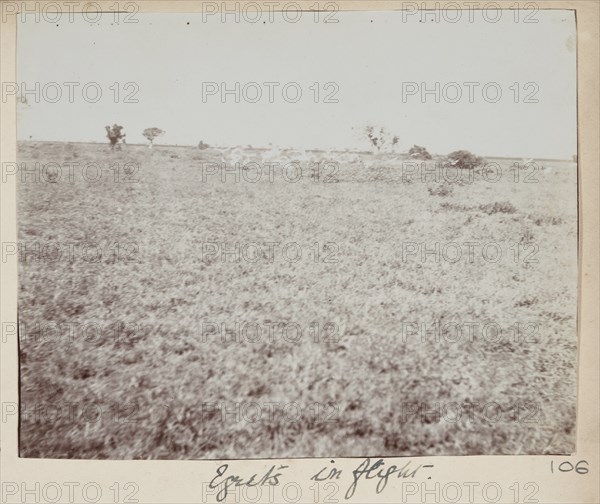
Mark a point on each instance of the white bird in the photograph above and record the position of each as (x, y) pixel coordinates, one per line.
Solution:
(307, 157)
(369, 163)
(237, 157)
(275, 155)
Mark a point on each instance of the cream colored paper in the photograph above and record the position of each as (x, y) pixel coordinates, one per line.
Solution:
(518, 478)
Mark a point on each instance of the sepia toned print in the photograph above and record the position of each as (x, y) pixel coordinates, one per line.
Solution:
(259, 248)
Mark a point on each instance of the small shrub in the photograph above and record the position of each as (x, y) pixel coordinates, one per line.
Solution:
(115, 135)
(52, 176)
(418, 152)
(455, 207)
(441, 190)
(546, 220)
(498, 207)
(378, 137)
(528, 236)
(464, 159)
(526, 302)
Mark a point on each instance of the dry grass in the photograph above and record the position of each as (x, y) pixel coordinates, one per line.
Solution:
(161, 375)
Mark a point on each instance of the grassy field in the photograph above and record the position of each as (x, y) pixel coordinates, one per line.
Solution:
(146, 379)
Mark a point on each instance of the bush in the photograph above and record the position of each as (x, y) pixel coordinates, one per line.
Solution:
(441, 190)
(378, 136)
(498, 207)
(417, 152)
(464, 159)
(115, 135)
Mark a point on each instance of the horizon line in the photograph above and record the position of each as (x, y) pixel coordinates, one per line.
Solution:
(333, 149)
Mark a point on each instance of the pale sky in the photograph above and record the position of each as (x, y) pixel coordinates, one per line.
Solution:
(369, 56)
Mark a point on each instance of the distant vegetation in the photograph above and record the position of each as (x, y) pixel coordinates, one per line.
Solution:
(379, 137)
(115, 135)
(464, 159)
(417, 152)
(151, 134)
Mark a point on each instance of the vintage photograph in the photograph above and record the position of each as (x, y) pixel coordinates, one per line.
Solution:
(282, 233)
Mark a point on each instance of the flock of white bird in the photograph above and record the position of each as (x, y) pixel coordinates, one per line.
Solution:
(526, 163)
(237, 156)
(242, 157)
